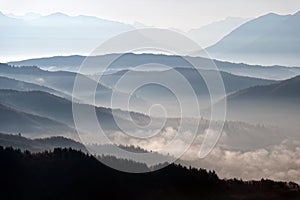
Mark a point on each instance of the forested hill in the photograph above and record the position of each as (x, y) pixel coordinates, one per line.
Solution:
(71, 174)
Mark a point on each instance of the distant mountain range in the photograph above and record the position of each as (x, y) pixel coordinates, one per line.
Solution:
(45, 35)
(210, 34)
(31, 33)
(129, 60)
(270, 39)
(267, 40)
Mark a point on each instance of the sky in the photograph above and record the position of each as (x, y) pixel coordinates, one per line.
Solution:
(180, 14)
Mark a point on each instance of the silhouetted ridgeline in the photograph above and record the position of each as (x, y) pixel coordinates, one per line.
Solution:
(71, 174)
(38, 144)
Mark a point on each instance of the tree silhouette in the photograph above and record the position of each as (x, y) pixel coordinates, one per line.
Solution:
(72, 174)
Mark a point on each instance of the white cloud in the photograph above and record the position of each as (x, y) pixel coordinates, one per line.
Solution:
(279, 162)
(40, 80)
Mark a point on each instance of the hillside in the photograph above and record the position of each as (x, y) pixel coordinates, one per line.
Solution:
(60, 109)
(13, 84)
(287, 89)
(63, 81)
(273, 104)
(59, 80)
(231, 82)
(71, 174)
(13, 121)
(38, 144)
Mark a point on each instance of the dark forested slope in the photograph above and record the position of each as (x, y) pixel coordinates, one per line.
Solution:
(70, 174)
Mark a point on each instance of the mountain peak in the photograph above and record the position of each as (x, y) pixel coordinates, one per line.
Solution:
(272, 14)
(259, 41)
(297, 13)
(58, 14)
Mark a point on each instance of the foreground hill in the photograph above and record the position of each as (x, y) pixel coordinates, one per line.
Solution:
(69, 174)
(39, 145)
(269, 39)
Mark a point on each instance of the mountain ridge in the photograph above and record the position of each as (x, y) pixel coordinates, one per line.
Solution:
(276, 104)
(127, 60)
(268, 39)
(14, 121)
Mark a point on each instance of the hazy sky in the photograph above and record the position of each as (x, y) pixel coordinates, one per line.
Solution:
(182, 14)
